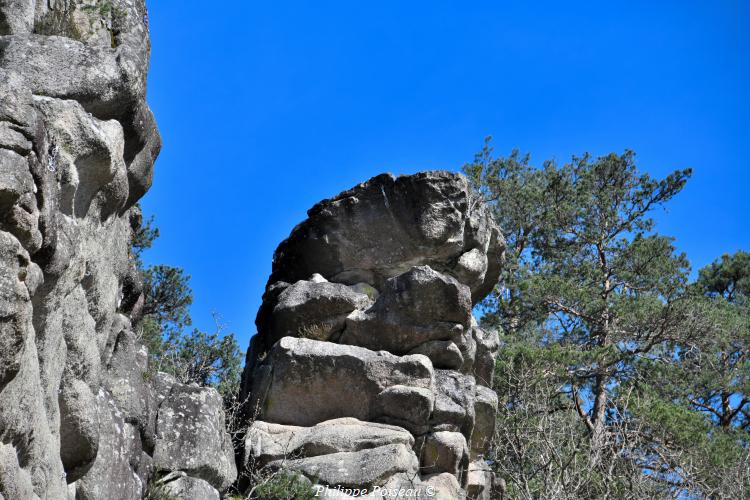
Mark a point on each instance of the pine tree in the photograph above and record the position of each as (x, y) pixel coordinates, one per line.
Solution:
(599, 316)
(190, 354)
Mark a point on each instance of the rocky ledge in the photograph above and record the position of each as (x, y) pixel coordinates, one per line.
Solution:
(369, 372)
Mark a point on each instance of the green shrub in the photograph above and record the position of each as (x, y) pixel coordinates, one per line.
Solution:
(284, 486)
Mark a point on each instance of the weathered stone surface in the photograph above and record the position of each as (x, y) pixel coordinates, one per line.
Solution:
(105, 81)
(111, 475)
(266, 442)
(79, 428)
(406, 406)
(356, 469)
(15, 307)
(125, 378)
(16, 16)
(454, 402)
(385, 226)
(30, 450)
(480, 481)
(15, 482)
(443, 486)
(19, 215)
(443, 451)
(422, 295)
(488, 343)
(313, 309)
(89, 156)
(413, 308)
(142, 146)
(468, 348)
(15, 178)
(190, 436)
(348, 382)
(442, 353)
(485, 409)
(180, 486)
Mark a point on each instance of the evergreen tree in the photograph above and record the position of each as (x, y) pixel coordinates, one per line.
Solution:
(191, 355)
(600, 318)
(721, 359)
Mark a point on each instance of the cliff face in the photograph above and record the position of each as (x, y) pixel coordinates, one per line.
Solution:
(79, 415)
(368, 371)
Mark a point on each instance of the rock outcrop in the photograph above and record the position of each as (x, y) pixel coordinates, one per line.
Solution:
(368, 373)
(80, 417)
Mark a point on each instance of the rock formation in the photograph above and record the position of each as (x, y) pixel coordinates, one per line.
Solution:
(80, 415)
(368, 370)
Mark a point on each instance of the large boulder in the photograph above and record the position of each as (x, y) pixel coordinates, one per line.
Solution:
(191, 437)
(362, 469)
(480, 481)
(443, 353)
(383, 227)
(422, 295)
(443, 451)
(266, 442)
(307, 381)
(454, 402)
(313, 309)
(442, 486)
(413, 308)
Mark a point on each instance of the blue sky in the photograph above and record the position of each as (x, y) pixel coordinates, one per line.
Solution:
(267, 107)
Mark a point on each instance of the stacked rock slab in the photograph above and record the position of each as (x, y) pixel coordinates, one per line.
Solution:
(368, 373)
(79, 415)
